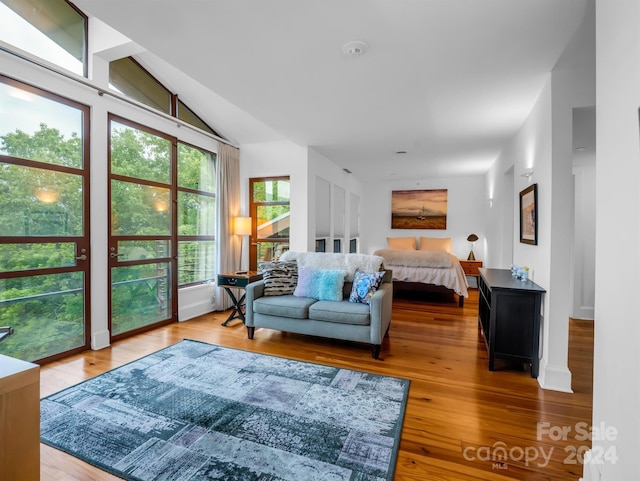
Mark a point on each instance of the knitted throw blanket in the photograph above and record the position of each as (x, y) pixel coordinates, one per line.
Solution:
(415, 258)
(328, 260)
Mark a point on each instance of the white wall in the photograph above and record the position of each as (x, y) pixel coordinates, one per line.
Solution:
(616, 389)
(544, 144)
(584, 241)
(280, 158)
(322, 207)
(500, 214)
(343, 188)
(532, 148)
(465, 213)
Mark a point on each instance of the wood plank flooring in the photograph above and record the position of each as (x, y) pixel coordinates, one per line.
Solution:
(458, 415)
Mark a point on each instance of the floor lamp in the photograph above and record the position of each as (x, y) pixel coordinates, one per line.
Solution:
(241, 227)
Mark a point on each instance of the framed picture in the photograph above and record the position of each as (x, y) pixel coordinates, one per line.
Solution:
(419, 209)
(529, 215)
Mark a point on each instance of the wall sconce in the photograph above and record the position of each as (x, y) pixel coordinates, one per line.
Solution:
(241, 227)
(527, 173)
(490, 203)
(472, 240)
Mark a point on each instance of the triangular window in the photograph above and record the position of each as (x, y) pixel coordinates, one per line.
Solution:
(130, 78)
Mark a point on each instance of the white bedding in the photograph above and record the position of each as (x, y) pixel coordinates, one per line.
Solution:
(452, 277)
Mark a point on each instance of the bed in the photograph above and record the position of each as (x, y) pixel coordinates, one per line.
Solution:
(431, 267)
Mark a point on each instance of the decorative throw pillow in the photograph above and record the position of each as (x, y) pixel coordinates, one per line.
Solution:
(321, 284)
(402, 243)
(365, 285)
(280, 278)
(442, 244)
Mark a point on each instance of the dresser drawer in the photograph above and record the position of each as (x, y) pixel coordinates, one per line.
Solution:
(470, 268)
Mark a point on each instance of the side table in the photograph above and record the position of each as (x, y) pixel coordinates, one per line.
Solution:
(470, 268)
(231, 280)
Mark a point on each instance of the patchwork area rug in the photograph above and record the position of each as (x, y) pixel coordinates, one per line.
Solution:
(195, 411)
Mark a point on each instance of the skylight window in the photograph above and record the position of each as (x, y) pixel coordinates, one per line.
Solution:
(50, 29)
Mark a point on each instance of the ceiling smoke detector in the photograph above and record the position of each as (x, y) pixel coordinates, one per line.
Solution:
(355, 48)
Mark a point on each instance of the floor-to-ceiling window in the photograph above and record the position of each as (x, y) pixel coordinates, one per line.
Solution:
(196, 215)
(162, 224)
(44, 233)
(141, 236)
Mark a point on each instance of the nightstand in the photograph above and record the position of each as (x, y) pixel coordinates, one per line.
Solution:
(470, 268)
(237, 280)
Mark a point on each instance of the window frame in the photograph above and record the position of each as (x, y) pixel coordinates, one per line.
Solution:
(198, 237)
(253, 209)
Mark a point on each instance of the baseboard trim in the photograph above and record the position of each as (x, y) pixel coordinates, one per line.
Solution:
(100, 340)
(554, 378)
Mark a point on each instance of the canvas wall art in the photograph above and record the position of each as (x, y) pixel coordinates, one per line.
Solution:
(419, 209)
(529, 215)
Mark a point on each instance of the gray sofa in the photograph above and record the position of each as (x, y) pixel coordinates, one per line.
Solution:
(351, 321)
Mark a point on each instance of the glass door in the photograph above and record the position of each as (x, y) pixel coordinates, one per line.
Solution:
(44, 234)
(142, 247)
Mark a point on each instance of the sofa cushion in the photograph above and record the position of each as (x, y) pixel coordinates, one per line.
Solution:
(321, 284)
(284, 306)
(342, 312)
(280, 278)
(365, 285)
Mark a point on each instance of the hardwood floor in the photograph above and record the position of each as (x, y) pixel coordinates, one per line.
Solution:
(458, 414)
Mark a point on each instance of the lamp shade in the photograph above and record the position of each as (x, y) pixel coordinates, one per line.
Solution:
(472, 238)
(242, 225)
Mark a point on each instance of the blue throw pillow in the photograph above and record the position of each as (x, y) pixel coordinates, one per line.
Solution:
(321, 284)
(365, 285)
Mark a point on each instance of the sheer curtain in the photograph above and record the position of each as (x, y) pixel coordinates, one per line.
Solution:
(228, 201)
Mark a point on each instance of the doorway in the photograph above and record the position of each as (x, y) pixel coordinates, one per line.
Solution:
(44, 223)
(142, 244)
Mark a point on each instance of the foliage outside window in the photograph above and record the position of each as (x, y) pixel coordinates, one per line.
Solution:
(141, 227)
(196, 215)
(141, 201)
(42, 188)
(270, 209)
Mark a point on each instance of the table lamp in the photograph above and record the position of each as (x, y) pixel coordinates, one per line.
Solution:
(472, 239)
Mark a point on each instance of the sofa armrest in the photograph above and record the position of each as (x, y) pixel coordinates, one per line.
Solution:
(254, 290)
(381, 304)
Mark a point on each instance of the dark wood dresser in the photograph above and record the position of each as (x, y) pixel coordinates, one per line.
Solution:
(509, 316)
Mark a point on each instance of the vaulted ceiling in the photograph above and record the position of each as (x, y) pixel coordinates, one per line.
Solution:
(446, 81)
